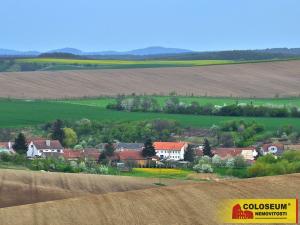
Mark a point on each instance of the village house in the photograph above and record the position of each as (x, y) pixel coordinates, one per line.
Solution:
(44, 148)
(135, 158)
(170, 150)
(248, 153)
(129, 146)
(273, 148)
(72, 155)
(6, 147)
(89, 154)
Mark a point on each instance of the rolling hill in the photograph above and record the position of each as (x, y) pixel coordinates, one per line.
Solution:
(188, 204)
(260, 80)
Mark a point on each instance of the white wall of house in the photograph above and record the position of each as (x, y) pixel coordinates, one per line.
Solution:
(248, 154)
(33, 151)
(171, 154)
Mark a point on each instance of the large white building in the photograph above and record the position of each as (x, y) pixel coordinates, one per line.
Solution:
(170, 150)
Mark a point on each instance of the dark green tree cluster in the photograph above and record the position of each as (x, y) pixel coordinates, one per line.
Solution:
(148, 150)
(20, 145)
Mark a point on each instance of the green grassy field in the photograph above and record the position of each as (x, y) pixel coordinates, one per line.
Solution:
(17, 113)
(280, 102)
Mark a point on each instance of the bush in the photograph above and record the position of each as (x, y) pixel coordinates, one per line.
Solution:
(207, 168)
(230, 163)
(203, 168)
(204, 165)
(240, 162)
(269, 165)
(217, 161)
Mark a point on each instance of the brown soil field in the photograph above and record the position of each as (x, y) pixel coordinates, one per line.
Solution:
(187, 204)
(25, 187)
(266, 79)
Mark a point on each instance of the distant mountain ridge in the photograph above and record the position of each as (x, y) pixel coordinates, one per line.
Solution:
(10, 52)
(156, 52)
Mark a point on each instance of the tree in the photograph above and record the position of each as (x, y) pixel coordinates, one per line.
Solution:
(57, 131)
(20, 145)
(189, 154)
(207, 149)
(226, 140)
(109, 151)
(70, 137)
(148, 150)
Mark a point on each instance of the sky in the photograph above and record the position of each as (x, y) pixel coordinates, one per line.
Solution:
(98, 25)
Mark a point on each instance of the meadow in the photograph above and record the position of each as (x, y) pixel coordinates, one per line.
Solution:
(20, 113)
(159, 173)
(277, 102)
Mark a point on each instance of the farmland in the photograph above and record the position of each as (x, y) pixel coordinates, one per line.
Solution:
(276, 102)
(259, 80)
(134, 200)
(53, 186)
(128, 63)
(20, 113)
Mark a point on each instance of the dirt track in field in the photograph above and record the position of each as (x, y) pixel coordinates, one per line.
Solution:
(244, 80)
(186, 204)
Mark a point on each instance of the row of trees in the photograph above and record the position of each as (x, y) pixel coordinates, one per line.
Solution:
(86, 133)
(173, 105)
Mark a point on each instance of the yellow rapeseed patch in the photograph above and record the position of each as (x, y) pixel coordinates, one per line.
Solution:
(160, 170)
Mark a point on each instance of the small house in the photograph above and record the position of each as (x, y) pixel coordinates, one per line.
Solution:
(44, 148)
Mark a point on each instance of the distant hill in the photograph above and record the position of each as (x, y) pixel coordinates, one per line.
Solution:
(161, 53)
(9, 52)
(157, 51)
(59, 55)
(73, 51)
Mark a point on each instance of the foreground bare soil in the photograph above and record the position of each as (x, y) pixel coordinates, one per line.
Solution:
(25, 187)
(244, 80)
(188, 204)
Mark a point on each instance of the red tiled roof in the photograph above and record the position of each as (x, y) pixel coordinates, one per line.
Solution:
(175, 146)
(91, 153)
(81, 154)
(130, 154)
(72, 154)
(42, 144)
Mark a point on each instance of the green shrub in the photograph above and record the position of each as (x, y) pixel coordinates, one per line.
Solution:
(240, 162)
(230, 163)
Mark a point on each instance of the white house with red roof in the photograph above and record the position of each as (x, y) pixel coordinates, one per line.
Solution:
(170, 150)
(44, 148)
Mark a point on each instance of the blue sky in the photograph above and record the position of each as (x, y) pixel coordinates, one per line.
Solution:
(94, 25)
